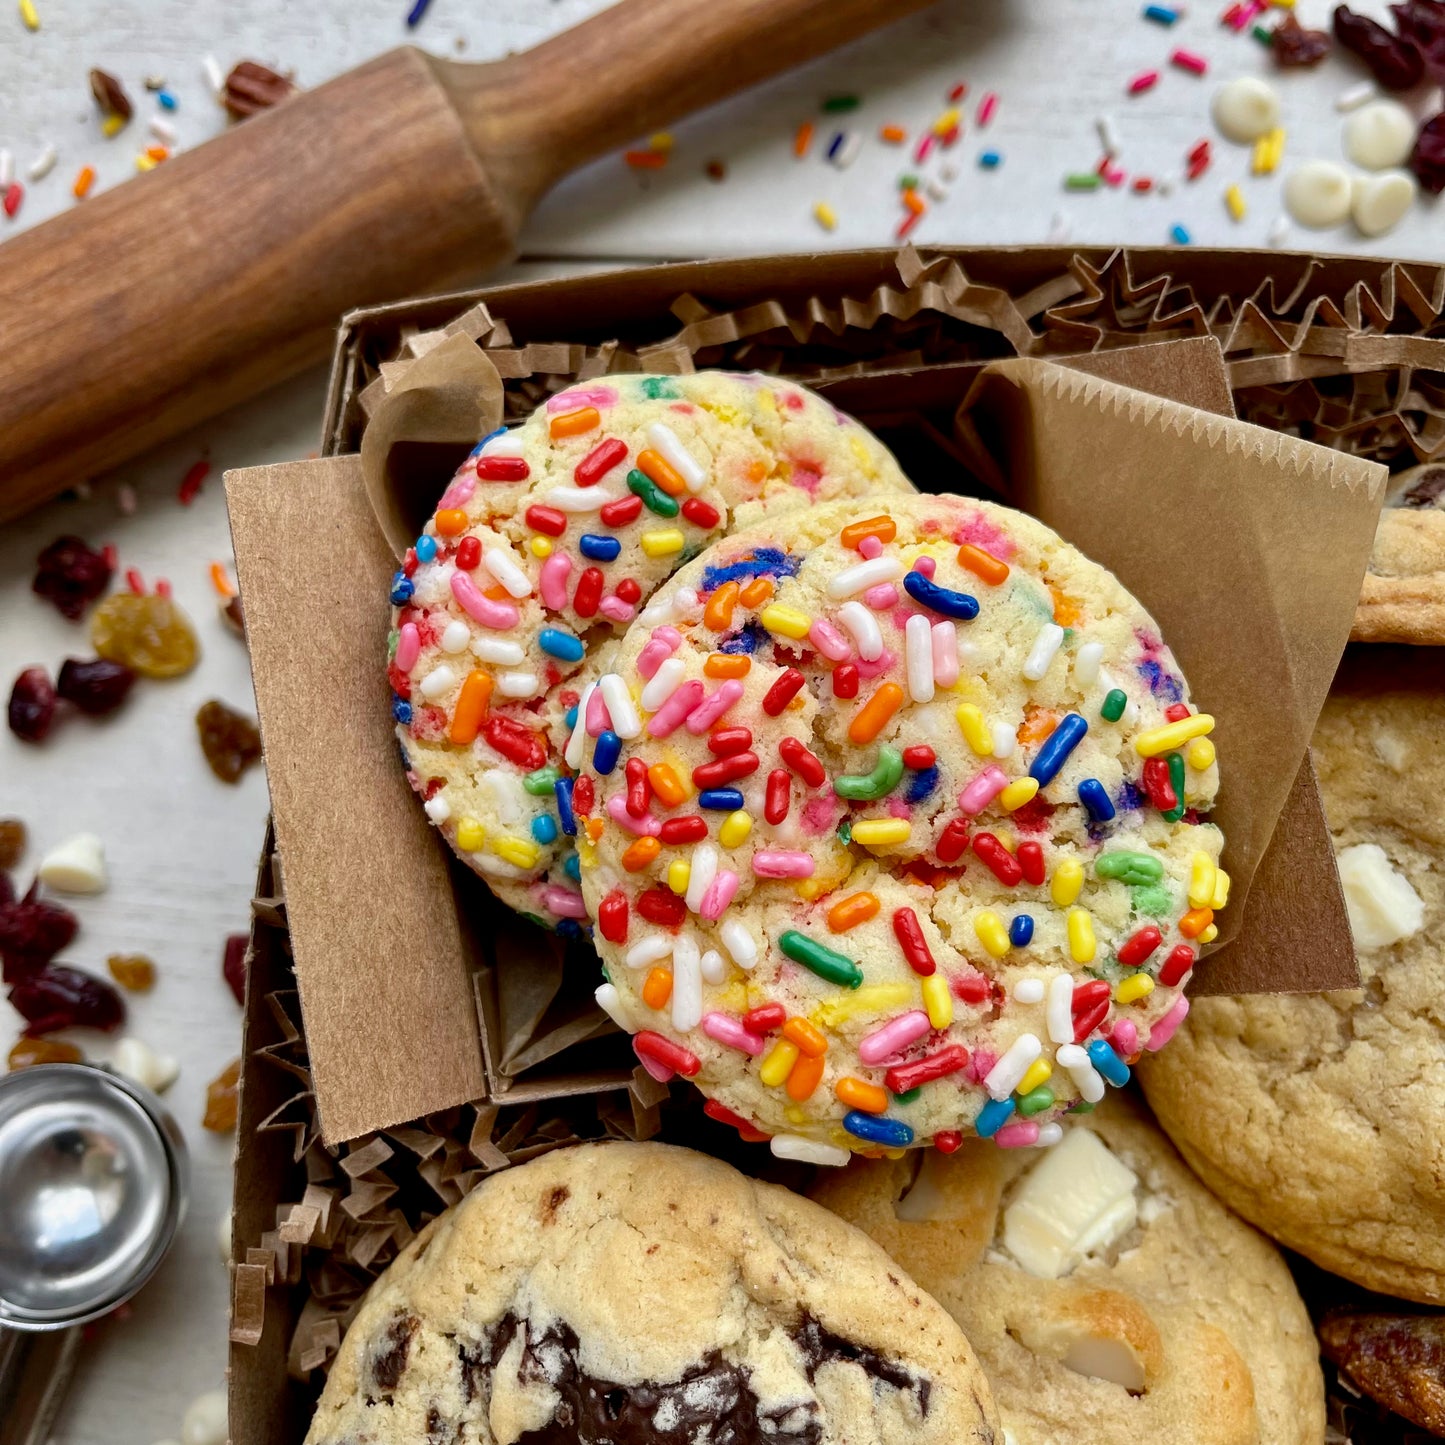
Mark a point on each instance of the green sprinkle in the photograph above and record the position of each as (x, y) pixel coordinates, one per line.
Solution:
(1129, 867)
(840, 104)
(1082, 1106)
(1152, 902)
(1114, 705)
(1263, 34)
(833, 967)
(660, 388)
(1036, 1101)
(869, 787)
(391, 641)
(845, 833)
(539, 784)
(1176, 779)
(1083, 181)
(909, 1096)
(653, 497)
(907, 183)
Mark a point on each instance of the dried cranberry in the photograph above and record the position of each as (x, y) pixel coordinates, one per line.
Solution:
(32, 705)
(1393, 61)
(1295, 47)
(233, 965)
(97, 687)
(32, 932)
(7, 891)
(1423, 23)
(70, 575)
(1427, 160)
(58, 997)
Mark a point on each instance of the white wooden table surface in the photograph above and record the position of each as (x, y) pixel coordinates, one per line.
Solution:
(182, 846)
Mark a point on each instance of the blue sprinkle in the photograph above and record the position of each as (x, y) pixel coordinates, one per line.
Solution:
(571, 717)
(569, 929)
(752, 636)
(723, 799)
(927, 593)
(401, 590)
(426, 548)
(1021, 930)
(599, 549)
(1160, 14)
(1057, 747)
(1095, 797)
(562, 791)
(572, 867)
(1161, 684)
(1131, 797)
(401, 709)
(556, 643)
(1108, 1063)
(166, 100)
(1179, 235)
(992, 1117)
(544, 828)
(418, 9)
(921, 785)
(607, 751)
(764, 562)
(490, 436)
(990, 160)
(891, 1133)
(836, 144)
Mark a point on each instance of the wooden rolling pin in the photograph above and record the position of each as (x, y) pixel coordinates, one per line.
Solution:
(184, 291)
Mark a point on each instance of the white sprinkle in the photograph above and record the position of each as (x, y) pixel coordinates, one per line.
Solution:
(852, 580)
(702, 871)
(1059, 1011)
(739, 942)
(667, 442)
(1108, 134)
(1085, 1076)
(847, 151)
(1005, 739)
(44, 163)
(1060, 228)
(808, 1151)
(1029, 990)
(457, 634)
(126, 500)
(610, 1002)
(437, 808)
(918, 647)
(580, 499)
(506, 571)
(1355, 96)
(163, 130)
(945, 654)
(948, 171)
(438, 682)
(663, 683)
(508, 444)
(686, 984)
(489, 649)
(1046, 646)
(1279, 231)
(518, 684)
(652, 949)
(863, 626)
(1049, 1135)
(714, 969)
(1086, 663)
(215, 77)
(620, 708)
(936, 191)
(7, 167)
(576, 748)
(1013, 1064)
(1164, 186)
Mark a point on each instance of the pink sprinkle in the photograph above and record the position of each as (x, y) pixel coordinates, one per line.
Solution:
(564, 902)
(1019, 1135)
(408, 647)
(459, 491)
(986, 108)
(877, 667)
(924, 149)
(721, 891)
(881, 597)
(659, 1071)
(983, 533)
(616, 610)
(553, 582)
(1125, 1037)
(898, 1034)
(668, 718)
(662, 642)
(645, 827)
(926, 565)
(829, 641)
(782, 863)
(1147, 80)
(1189, 60)
(983, 790)
(499, 616)
(702, 717)
(576, 397)
(820, 814)
(1113, 175)
(1163, 1031)
(730, 1031)
(945, 654)
(869, 548)
(598, 718)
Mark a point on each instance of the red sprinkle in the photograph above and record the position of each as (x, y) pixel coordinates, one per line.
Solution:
(1199, 151)
(909, 933)
(1158, 785)
(548, 520)
(845, 680)
(779, 795)
(1087, 995)
(724, 770)
(135, 581)
(612, 917)
(110, 555)
(783, 691)
(1178, 963)
(191, 482)
(690, 829)
(919, 757)
(971, 987)
(503, 469)
(583, 796)
(661, 906)
(750, 1133)
(948, 1141)
(765, 1018)
(701, 513)
(163, 587)
(1133, 951)
(999, 861)
(622, 511)
(639, 790)
(725, 741)
(14, 194)
(629, 592)
(903, 1077)
(514, 742)
(1031, 860)
(469, 553)
(1176, 712)
(663, 1051)
(588, 593)
(952, 841)
(1085, 1023)
(599, 461)
(805, 764)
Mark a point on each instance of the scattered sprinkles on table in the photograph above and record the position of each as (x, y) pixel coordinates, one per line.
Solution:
(544, 547)
(907, 836)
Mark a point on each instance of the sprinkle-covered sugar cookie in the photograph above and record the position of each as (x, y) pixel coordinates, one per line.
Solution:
(896, 831)
(544, 547)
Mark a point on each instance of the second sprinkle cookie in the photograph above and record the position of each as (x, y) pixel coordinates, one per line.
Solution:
(901, 836)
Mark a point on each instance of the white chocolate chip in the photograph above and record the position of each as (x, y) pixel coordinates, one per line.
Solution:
(1391, 748)
(1379, 135)
(1318, 194)
(1379, 203)
(140, 1063)
(1245, 109)
(204, 1422)
(1383, 907)
(75, 866)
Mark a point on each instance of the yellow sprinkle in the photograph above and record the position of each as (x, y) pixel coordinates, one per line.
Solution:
(825, 215)
(880, 832)
(735, 828)
(28, 15)
(541, 546)
(660, 141)
(1265, 157)
(1234, 199)
(1068, 879)
(112, 125)
(1040, 1072)
(795, 1115)
(876, 998)
(937, 1000)
(787, 620)
(1201, 880)
(1221, 890)
(862, 456)
(521, 851)
(991, 932)
(470, 835)
(1017, 793)
(1172, 735)
(144, 163)
(779, 1063)
(1133, 988)
(663, 543)
(679, 871)
(1081, 936)
(945, 122)
(975, 731)
(1209, 934)
(1200, 754)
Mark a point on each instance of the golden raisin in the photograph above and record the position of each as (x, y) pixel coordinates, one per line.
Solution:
(12, 841)
(221, 1098)
(132, 971)
(150, 634)
(229, 740)
(43, 1051)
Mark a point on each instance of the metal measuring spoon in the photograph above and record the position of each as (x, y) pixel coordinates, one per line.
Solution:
(93, 1179)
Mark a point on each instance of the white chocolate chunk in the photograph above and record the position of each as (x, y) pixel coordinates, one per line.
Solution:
(928, 1198)
(1318, 194)
(1104, 1359)
(204, 1422)
(137, 1061)
(1078, 1199)
(1382, 905)
(223, 1235)
(808, 1151)
(1379, 135)
(1379, 203)
(75, 866)
(1245, 109)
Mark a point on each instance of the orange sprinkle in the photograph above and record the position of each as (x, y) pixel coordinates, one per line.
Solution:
(872, 717)
(220, 581)
(574, 423)
(914, 202)
(497, 593)
(1067, 612)
(727, 664)
(594, 828)
(802, 139)
(859, 1094)
(805, 1076)
(450, 521)
(1038, 723)
(718, 614)
(894, 135)
(669, 788)
(640, 853)
(808, 1039)
(655, 465)
(851, 911)
(471, 707)
(1196, 921)
(756, 592)
(982, 564)
(881, 527)
(83, 182)
(645, 160)
(658, 988)
(158, 153)
(757, 470)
